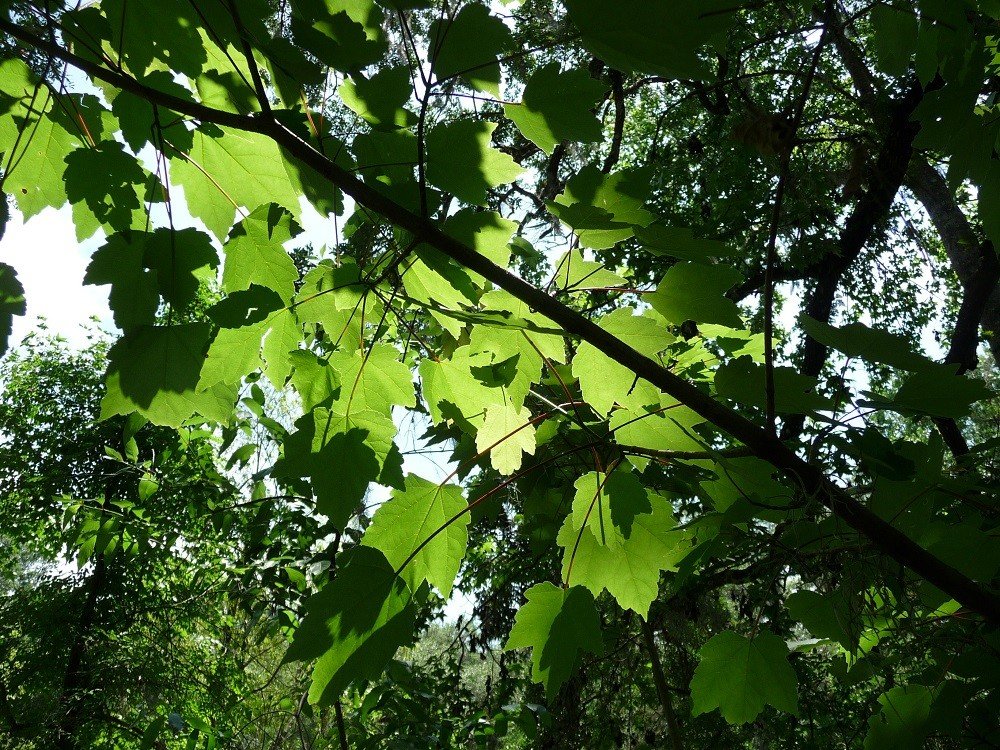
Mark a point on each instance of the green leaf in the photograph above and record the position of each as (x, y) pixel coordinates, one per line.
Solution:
(453, 393)
(181, 259)
(486, 232)
(603, 381)
(374, 380)
(386, 160)
(404, 529)
(826, 616)
(335, 297)
(11, 302)
(379, 100)
(679, 242)
(524, 324)
(510, 432)
(468, 46)
(739, 676)
(35, 177)
(902, 721)
(556, 624)
(281, 339)
(745, 480)
(603, 209)
(255, 252)
(619, 540)
(514, 344)
(602, 500)
(348, 464)
(442, 285)
(345, 34)
(313, 378)
(226, 91)
(246, 317)
(152, 732)
(744, 381)
(354, 625)
(163, 33)
(895, 38)
(136, 117)
(228, 169)
(17, 95)
(148, 487)
(557, 106)
(461, 161)
(377, 432)
(108, 188)
(140, 266)
(342, 453)
(656, 38)
(290, 68)
(154, 370)
(233, 354)
(661, 423)
(939, 391)
(573, 272)
(870, 344)
(694, 291)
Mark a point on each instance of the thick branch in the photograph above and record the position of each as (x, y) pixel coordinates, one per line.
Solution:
(76, 674)
(618, 96)
(980, 291)
(814, 482)
(969, 258)
(662, 690)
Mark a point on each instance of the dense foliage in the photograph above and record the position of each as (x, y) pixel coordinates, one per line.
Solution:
(646, 336)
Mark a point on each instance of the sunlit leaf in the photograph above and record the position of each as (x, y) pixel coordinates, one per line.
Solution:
(460, 160)
(255, 252)
(423, 528)
(468, 46)
(558, 106)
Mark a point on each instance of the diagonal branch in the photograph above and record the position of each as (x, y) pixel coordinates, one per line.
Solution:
(883, 535)
(970, 259)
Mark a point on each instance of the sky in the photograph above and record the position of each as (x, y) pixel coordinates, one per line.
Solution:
(50, 264)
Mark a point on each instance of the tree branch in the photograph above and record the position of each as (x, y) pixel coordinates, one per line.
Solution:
(662, 691)
(970, 259)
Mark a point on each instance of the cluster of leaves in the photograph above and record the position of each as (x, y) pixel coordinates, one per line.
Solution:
(615, 466)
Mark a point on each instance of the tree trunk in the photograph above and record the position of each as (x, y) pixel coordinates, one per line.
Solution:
(76, 678)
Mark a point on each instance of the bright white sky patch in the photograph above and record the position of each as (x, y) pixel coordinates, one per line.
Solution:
(50, 264)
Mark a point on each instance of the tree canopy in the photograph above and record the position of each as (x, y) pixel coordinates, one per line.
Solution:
(657, 337)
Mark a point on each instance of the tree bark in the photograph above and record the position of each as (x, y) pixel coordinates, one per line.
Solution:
(962, 246)
(971, 260)
(662, 691)
(75, 677)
